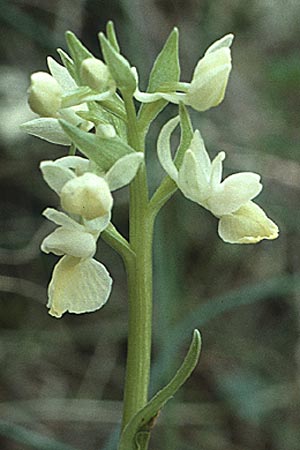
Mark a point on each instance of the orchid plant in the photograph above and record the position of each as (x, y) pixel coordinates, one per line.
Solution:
(89, 106)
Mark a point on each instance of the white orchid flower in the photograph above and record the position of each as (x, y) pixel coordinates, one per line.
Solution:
(200, 180)
(79, 283)
(57, 96)
(58, 173)
(209, 81)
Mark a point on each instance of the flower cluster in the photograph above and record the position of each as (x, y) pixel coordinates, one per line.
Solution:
(57, 96)
(83, 103)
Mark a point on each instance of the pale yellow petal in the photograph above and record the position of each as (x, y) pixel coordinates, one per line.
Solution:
(248, 225)
(78, 286)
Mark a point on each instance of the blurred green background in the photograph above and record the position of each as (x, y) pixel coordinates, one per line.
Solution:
(61, 380)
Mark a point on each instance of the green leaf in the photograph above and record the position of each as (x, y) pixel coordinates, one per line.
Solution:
(104, 152)
(111, 35)
(138, 429)
(166, 68)
(77, 50)
(68, 63)
(119, 67)
(187, 133)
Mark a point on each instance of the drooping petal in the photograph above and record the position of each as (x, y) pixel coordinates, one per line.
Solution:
(61, 75)
(78, 286)
(164, 148)
(64, 241)
(248, 225)
(233, 192)
(56, 176)
(62, 219)
(124, 170)
(191, 181)
(47, 128)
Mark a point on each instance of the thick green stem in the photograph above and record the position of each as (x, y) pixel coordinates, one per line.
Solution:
(139, 272)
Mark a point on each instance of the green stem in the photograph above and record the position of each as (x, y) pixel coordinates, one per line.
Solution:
(113, 238)
(139, 272)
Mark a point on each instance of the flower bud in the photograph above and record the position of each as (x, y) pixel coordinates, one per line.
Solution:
(106, 131)
(44, 94)
(211, 75)
(95, 74)
(87, 195)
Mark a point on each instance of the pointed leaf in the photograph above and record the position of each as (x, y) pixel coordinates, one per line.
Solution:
(68, 63)
(61, 74)
(119, 67)
(142, 421)
(46, 128)
(186, 134)
(104, 152)
(77, 50)
(166, 67)
(111, 35)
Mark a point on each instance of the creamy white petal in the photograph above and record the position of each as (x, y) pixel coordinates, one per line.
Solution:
(77, 163)
(225, 41)
(48, 129)
(149, 97)
(62, 219)
(233, 192)
(248, 225)
(61, 75)
(124, 170)
(216, 170)
(95, 226)
(78, 286)
(164, 148)
(191, 181)
(64, 241)
(203, 160)
(55, 176)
